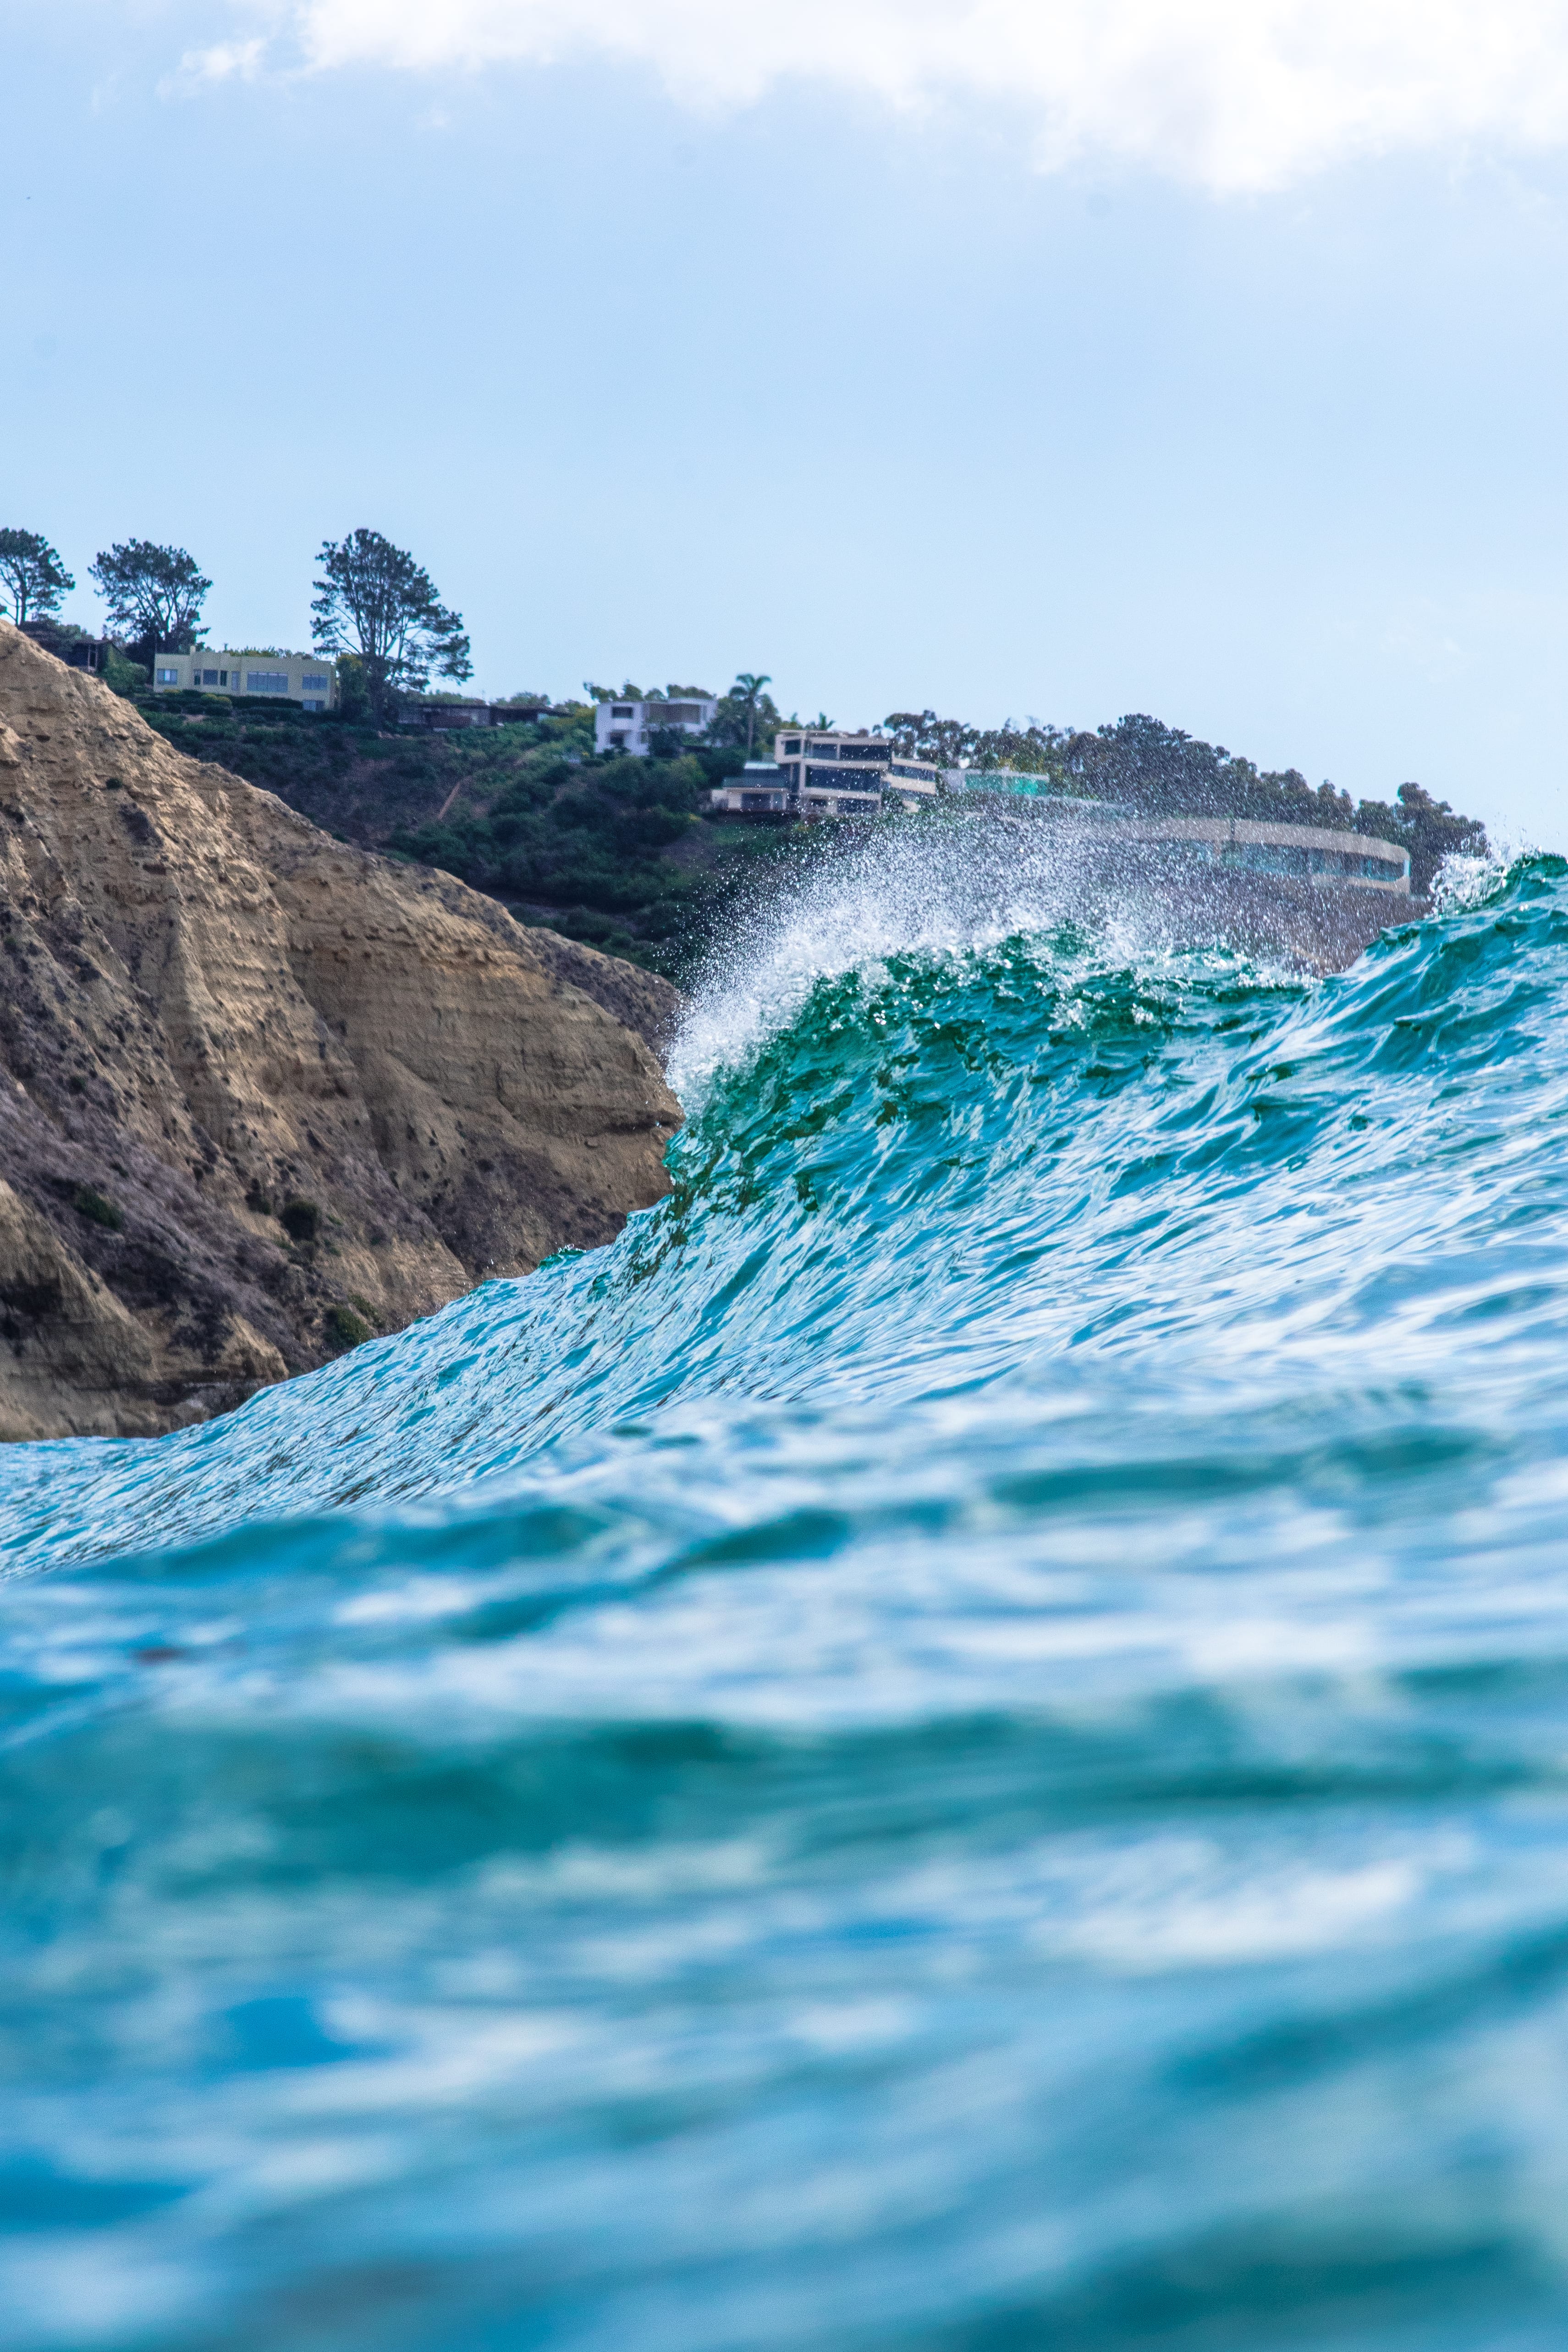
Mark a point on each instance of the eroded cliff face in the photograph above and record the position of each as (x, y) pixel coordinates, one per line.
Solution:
(260, 1091)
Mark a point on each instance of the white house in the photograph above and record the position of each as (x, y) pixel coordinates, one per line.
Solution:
(308, 680)
(627, 726)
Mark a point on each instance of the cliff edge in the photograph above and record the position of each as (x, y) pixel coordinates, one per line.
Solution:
(261, 1093)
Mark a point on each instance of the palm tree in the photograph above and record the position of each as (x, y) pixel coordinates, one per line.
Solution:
(751, 685)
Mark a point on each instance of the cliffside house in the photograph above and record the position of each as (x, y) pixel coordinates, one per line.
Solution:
(818, 772)
(437, 714)
(69, 644)
(758, 790)
(1309, 852)
(309, 679)
(629, 726)
(830, 772)
(1306, 853)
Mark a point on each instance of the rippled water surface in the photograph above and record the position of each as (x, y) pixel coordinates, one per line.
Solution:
(960, 1743)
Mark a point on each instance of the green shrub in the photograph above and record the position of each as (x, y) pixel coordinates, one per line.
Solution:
(344, 1328)
(126, 677)
(91, 1204)
(301, 1220)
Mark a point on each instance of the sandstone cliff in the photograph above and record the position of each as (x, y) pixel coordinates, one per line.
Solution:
(261, 1092)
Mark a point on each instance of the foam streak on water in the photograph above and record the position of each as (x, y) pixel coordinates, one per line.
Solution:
(958, 1743)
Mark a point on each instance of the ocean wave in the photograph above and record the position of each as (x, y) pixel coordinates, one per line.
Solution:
(956, 1742)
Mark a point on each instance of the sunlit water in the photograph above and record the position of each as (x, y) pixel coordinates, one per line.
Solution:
(959, 1743)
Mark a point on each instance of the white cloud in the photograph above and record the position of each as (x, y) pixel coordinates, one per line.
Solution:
(224, 62)
(1231, 94)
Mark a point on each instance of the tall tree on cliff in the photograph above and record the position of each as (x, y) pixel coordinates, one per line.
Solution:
(374, 602)
(154, 593)
(745, 713)
(749, 684)
(33, 575)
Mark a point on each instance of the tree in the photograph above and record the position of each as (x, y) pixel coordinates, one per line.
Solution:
(1429, 829)
(954, 743)
(154, 593)
(126, 677)
(353, 694)
(744, 713)
(33, 573)
(1162, 771)
(377, 603)
(751, 685)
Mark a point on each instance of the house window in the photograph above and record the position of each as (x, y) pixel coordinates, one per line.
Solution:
(314, 685)
(623, 710)
(791, 743)
(168, 678)
(267, 681)
(312, 703)
(209, 677)
(223, 678)
(617, 739)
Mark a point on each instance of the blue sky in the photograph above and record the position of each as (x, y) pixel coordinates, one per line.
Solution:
(909, 384)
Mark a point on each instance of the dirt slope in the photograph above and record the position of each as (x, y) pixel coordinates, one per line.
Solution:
(259, 1090)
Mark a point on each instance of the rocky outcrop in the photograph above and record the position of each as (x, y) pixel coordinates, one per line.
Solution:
(262, 1093)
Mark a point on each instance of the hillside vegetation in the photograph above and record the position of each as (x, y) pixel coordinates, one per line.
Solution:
(612, 852)
(620, 853)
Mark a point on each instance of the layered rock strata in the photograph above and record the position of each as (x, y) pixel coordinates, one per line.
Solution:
(260, 1092)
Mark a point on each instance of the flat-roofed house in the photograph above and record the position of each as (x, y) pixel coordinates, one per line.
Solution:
(70, 644)
(440, 714)
(758, 790)
(631, 724)
(912, 781)
(309, 679)
(1305, 853)
(1356, 860)
(832, 772)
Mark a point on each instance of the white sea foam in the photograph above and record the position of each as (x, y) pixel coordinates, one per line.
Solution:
(955, 887)
(1464, 881)
(912, 890)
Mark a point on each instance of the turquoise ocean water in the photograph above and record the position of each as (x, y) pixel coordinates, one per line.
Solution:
(960, 1743)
